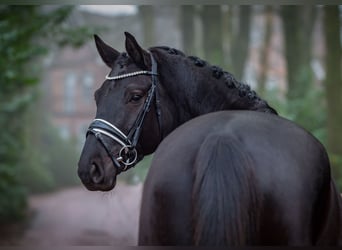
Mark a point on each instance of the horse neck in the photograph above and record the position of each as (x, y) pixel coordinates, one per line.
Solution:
(197, 88)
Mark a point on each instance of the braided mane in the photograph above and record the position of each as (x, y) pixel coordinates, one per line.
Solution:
(244, 91)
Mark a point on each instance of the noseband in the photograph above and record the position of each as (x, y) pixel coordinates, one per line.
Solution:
(128, 155)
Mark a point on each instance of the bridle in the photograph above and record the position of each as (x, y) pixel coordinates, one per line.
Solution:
(128, 155)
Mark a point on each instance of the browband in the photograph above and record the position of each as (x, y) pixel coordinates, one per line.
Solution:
(142, 72)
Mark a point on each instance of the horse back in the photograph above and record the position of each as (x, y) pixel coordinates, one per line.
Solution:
(271, 172)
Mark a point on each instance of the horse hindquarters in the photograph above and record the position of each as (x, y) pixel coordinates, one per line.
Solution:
(165, 214)
(225, 194)
(331, 218)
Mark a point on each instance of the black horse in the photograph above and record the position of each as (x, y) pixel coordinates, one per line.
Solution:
(232, 177)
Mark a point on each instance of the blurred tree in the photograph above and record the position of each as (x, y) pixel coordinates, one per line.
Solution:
(264, 53)
(240, 40)
(227, 26)
(333, 81)
(26, 34)
(146, 13)
(187, 22)
(212, 34)
(302, 95)
(298, 21)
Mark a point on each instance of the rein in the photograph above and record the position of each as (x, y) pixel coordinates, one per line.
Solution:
(128, 155)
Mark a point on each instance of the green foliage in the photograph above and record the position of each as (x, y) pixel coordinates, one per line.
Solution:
(309, 111)
(12, 197)
(49, 161)
(336, 163)
(27, 32)
(62, 159)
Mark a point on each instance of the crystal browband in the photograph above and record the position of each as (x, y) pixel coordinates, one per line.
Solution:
(142, 72)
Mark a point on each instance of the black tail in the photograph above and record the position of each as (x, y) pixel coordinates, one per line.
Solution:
(224, 194)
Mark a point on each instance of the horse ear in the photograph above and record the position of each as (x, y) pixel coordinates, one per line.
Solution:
(139, 56)
(107, 53)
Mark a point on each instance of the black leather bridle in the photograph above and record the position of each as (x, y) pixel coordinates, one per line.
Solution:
(128, 155)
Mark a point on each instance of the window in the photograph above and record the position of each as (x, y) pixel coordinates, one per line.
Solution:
(69, 92)
(88, 84)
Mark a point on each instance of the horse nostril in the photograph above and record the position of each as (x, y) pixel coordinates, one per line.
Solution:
(96, 173)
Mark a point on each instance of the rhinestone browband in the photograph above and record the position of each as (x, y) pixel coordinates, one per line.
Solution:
(143, 72)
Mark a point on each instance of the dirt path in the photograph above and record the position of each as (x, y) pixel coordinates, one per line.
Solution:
(77, 216)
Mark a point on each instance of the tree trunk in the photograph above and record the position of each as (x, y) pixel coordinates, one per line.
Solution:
(227, 25)
(240, 41)
(298, 25)
(264, 56)
(333, 81)
(188, 28)
(146, 13)
(212, 34)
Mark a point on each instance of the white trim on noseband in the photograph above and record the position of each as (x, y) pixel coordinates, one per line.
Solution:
(112, 126)
(101, 131)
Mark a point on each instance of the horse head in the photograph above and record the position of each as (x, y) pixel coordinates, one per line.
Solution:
(128, 121)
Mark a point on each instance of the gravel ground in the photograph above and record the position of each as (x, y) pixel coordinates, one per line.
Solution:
(77, 216)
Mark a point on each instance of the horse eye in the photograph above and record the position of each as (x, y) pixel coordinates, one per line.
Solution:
(135, 98)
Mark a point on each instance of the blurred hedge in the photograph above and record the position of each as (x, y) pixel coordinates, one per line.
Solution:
(27, 33)
(49, 161)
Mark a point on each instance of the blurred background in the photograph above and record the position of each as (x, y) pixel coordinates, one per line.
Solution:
(291, 55)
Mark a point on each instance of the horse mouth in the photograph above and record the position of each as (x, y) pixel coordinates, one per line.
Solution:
(104, 186)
